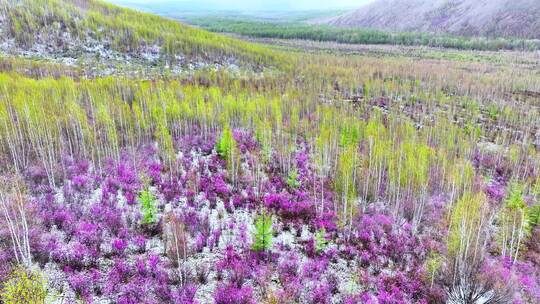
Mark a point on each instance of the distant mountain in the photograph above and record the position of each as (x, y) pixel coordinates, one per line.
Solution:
(177, 6)
(505, 18)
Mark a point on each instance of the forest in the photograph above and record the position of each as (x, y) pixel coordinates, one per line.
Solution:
(267, 175)
(304, 31)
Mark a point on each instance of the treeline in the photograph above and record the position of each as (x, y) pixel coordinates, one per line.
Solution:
(357, 36)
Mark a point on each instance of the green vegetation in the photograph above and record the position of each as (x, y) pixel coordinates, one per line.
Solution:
(226, 147)
(321, 243)
(410, 160)
(226, 144)
(148, 207)
(466, 228)
(294, 30)
(514, 223)
(292, 179)
(262, 237)
(388, 129)
(346, 182)
(363, 148)
(433, 266)
(24, 286)
(126, 30)
(534, 216)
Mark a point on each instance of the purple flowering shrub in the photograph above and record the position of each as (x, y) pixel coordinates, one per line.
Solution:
(89, 229)
(145, 281)
(519, 279)
(390, 259)
(309, 203)
(231, 294)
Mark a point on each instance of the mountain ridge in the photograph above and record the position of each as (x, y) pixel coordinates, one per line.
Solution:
(493, 18)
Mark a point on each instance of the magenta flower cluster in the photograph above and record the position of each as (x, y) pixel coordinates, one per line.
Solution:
(89, 230)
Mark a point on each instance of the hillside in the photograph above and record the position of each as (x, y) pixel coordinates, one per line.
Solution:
(73, 30)
(506, 18)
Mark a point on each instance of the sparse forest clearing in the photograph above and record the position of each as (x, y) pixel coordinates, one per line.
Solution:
(145, 161)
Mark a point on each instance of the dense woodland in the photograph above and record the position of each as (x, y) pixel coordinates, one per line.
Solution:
(296, 30)
(296, 178)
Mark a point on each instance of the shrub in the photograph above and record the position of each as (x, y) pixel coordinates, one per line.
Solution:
(236, 267)
(24, 286)
(230, 294)
(292, 179)
(263, 233)
(226, 144)
(433, 266)
(513, 220)
(465, 225)
(471, 283)
(145, 278)
(175, 239)
(320, 240)
(148, 207)
(289, 207)
(227, 148)
(321, 294)
(13, 216)
(534, 216)
(288, 269)
(186, 294)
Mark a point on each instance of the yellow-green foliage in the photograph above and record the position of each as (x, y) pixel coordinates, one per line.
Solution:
(262, 236)
(433, 265)
(388, 128)
(95, 118)
(321, 243)
(292, 179)
(148, 207)
(127, 29)
(514, 221)
(345, 183)
(227, 148)
(226, 145)
(413, 146)
(534, 212)
(461, 176)
(534, 217)
(23, 287)
(466, 225)
(326, 143)
(263, 134)
(345, 180)
(536, 188)
(37, 68)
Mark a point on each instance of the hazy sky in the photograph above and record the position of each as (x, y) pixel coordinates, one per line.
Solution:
(251, 4)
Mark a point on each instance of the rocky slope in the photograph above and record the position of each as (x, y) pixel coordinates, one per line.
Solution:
(507, 18)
